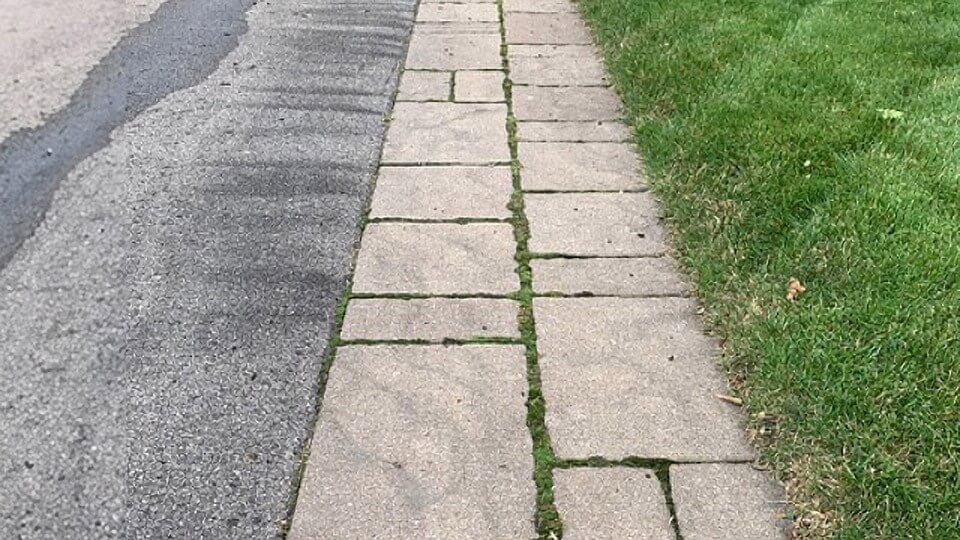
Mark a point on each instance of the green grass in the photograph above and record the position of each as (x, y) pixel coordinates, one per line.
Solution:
(762, 128)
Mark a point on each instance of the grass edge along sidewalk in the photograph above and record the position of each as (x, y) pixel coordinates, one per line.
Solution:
(819, 141)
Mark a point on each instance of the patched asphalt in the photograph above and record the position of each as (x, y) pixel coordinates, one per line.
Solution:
(163, 326)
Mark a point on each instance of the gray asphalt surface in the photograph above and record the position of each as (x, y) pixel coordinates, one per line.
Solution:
(163, 328)
(178, 47)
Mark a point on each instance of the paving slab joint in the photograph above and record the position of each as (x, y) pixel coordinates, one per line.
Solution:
(639, 462)
(556, 191)
(454, 221)
(663, 475)
(420, 295)
(547, 518)
(560, 294)
(322, 377)
(542, 85)
(447, 342)
(550, 255)
(495, 163)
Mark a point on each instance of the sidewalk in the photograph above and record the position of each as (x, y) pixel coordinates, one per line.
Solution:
(518, 356)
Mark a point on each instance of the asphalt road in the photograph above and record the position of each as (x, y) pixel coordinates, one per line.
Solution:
(166, 53)
(47, 48)
(166, 303)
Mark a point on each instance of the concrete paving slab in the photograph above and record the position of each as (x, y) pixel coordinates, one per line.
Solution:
(595, 224)
(563, 166)
(483, 86)
(457, 28)
(727, 501)
(430, 318)
(459, 12)
(459, 1)
(424, 86)
(467, 133)
(442, 192)
(539, 6)
(546, 28)
(589, 103)
(611, 503)
(591, 131)
(615, 277)
(556, 65)
(430, 49)
(420, 442)
(633, 377)
(436, 258)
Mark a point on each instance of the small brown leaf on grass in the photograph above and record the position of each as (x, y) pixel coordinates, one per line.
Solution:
(730, 399)
(794, 288)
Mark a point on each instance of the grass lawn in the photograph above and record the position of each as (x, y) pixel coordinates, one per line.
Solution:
(819, 140)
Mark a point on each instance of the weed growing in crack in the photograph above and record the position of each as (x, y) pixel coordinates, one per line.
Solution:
(328, 358)
(548, 522)
(451, 342)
